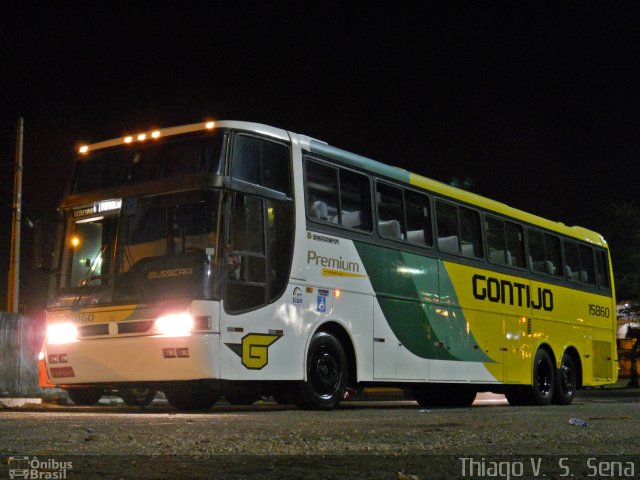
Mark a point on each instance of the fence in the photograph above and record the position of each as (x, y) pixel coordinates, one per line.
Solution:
(20, 342)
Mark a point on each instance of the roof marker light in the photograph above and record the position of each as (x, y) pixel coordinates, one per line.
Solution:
(128, 139)
(210, 125)
(155, 134)
(83, 149)
(142, 137)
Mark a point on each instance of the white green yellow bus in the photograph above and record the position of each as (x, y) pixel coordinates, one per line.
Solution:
(236, 259)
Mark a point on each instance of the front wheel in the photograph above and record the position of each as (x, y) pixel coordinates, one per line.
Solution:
(85, 396)
(327, 374)
(566, 382)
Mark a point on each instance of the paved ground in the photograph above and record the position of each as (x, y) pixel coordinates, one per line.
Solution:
(367, 439)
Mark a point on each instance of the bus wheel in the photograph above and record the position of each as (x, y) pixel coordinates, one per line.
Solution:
(327, 371)
(541, 392)
(192, 395)
(138, 397)
(543, 378)
(566, 382)
(85, 396)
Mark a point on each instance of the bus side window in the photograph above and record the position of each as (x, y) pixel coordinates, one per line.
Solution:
(419, 228)
(470, 233)
(602, 263)
(571, 261)
(355, 201)
(390, 212)
(494, 229)
(262, 162)
(515, 245)
(536, 251)
(447, 224)
(322, 191)
(587, 269)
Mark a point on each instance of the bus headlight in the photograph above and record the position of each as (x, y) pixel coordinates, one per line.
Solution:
(174, 325)
(62, 333)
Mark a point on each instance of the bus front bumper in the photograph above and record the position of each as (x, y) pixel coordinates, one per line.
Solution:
(133, 359)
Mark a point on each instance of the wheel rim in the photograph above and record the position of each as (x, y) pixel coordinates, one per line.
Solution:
(544, 378)
(324, 373)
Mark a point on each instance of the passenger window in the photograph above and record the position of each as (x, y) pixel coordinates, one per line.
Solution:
(390, 212)
(470, 233)
(571, 261)
(494, 229)
(515, 245)
(459, 230)
(602, 269)
(536, 251)
(322, 191)
(355, 201)
(545, 255)
(587, 269)
(554, 255)
(262, 162)
(447, 223)
(418, 218)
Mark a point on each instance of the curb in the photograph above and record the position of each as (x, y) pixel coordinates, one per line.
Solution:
(19, 402)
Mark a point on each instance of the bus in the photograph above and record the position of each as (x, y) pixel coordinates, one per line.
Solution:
(235, 259)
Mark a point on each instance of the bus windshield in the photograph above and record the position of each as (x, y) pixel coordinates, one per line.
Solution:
(165, 247)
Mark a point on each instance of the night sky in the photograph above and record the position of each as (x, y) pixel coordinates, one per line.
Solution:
(533, 104)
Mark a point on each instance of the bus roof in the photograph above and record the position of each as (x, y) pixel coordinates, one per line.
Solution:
(358, 162)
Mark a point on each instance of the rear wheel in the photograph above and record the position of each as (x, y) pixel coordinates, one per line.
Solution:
(542, 390)
(138, 397)
(85, 396)
(192, 395)
(566, 382)
(327, 374)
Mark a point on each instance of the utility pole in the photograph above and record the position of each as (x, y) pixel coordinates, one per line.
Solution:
(13, 289)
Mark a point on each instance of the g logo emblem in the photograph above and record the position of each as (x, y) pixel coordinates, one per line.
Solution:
(255, 349)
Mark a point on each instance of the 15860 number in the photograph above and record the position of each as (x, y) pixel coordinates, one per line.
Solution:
(598, 311)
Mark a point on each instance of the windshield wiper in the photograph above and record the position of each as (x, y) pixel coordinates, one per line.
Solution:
(88, 277)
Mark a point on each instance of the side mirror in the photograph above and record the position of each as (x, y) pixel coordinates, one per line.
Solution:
(46, 245)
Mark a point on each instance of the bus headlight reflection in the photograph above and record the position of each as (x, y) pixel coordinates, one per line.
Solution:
(174, 325)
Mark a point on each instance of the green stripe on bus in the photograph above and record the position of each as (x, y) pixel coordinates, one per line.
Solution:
(358, 161)
(420, 304)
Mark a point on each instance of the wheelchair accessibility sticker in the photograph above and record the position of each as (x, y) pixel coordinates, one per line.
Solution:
(322, 303)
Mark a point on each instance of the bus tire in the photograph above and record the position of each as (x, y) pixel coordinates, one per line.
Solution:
(85, 396)
(543, 378)
(541, 391)
(191, 395)
(566, 382)
(137, 397)
(327, 374)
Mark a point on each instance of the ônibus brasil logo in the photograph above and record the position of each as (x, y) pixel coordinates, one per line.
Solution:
(34, 468)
